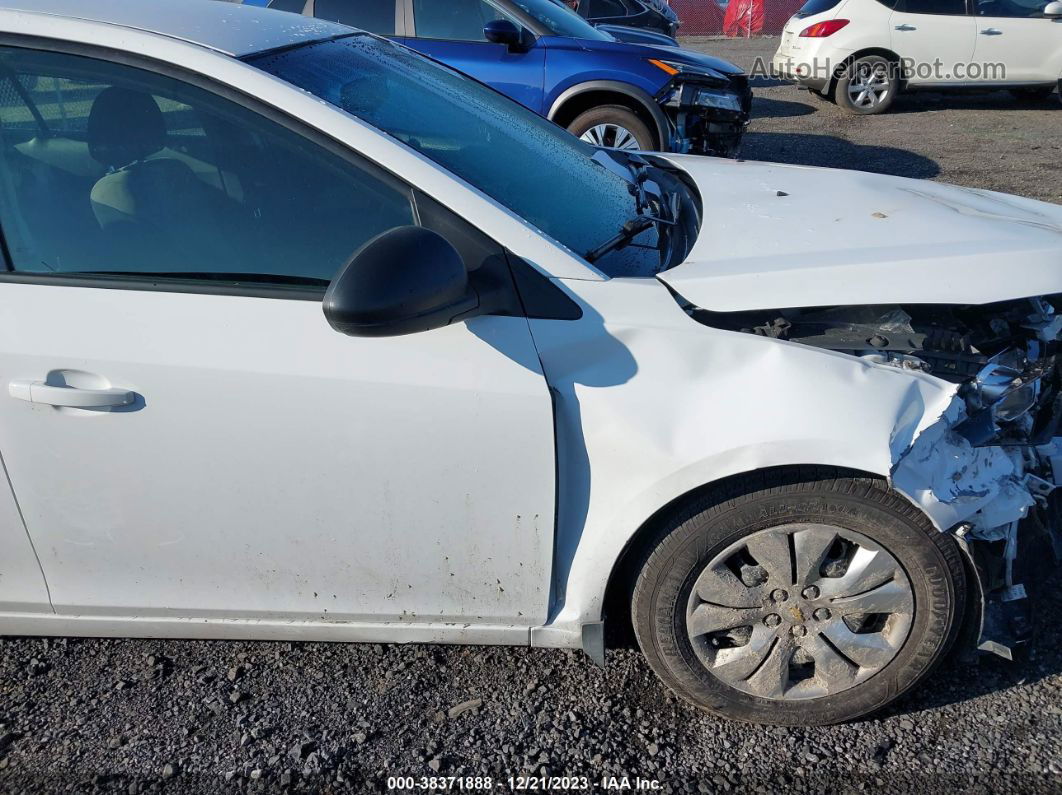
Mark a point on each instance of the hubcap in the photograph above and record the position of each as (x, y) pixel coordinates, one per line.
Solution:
(870, 85)
(799, 611)
(610, 136)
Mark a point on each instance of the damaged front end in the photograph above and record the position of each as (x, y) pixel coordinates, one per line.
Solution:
(708, 117)
(988, 469)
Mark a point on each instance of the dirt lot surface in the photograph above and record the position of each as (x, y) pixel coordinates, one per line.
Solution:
(198, 717)
(989, 140)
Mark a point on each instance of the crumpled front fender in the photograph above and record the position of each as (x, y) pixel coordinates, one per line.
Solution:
(955, 482)
(647, 412)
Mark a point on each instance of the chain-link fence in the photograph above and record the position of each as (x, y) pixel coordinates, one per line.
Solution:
(734, 18)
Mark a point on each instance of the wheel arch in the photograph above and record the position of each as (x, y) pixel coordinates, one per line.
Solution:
(616, 612)
(582, 97)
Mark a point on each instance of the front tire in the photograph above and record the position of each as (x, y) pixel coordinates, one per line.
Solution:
(798, 600)
(612, 127)
(867, 86)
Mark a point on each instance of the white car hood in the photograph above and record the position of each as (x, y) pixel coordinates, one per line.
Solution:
(789, 236)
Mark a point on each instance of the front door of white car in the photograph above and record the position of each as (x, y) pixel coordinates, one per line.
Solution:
(936, 37)
(1016, 35)
(185, 434)
(22, 587)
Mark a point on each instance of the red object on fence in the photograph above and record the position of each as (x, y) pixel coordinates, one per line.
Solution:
(744, 18)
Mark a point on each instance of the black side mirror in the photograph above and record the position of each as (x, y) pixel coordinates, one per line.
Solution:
(405, 280)
(502, 31)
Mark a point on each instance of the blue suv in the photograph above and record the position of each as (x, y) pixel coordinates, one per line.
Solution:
(613, 94)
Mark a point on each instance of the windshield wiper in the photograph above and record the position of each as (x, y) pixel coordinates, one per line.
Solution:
(652, 210)
(633, 169)
(630, 230)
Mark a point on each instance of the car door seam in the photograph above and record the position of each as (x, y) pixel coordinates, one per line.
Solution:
(25, 527)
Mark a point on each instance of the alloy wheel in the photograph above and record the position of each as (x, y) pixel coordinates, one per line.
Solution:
(610, 136)
(870, 85)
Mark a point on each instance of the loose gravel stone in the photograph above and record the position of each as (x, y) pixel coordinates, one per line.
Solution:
(463, 707)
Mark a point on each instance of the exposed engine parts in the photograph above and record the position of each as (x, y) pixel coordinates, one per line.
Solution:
(951, 342)
(1004, 355)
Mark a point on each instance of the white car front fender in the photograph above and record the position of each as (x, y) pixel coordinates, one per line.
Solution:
(651, 405)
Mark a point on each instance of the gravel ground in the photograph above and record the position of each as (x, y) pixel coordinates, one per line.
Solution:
(197, 717)
(988, 140)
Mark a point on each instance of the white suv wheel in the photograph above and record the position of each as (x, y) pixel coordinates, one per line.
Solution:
(867, 86)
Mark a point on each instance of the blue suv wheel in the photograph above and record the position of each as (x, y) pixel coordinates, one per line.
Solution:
(613, 127)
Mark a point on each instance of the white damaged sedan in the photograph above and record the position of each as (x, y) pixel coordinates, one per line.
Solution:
(795, 427)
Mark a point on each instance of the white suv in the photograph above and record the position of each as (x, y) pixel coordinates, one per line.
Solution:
(861, 53)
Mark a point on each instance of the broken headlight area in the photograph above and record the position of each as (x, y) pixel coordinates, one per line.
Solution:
(718, 99)
(709, 118)
(988, 469)
(1005, 398)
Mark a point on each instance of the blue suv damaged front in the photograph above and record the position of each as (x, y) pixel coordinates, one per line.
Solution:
(700, 104)
(696, 104)
(708, 102)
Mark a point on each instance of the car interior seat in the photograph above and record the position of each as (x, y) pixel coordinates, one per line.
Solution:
(155, 213)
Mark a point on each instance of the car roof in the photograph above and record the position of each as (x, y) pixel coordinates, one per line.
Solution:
(233, 29)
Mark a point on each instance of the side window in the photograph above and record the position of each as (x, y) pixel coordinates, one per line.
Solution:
(109, 169)
(453, 20)
(939, 7)
(1015, 9)
(606, 8)
(375, 16)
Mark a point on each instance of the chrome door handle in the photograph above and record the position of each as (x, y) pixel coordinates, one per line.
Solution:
(906, 28)
(40, 392)
(991, 32)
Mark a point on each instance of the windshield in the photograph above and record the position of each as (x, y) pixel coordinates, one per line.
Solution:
(560, 19)
(539, 171)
